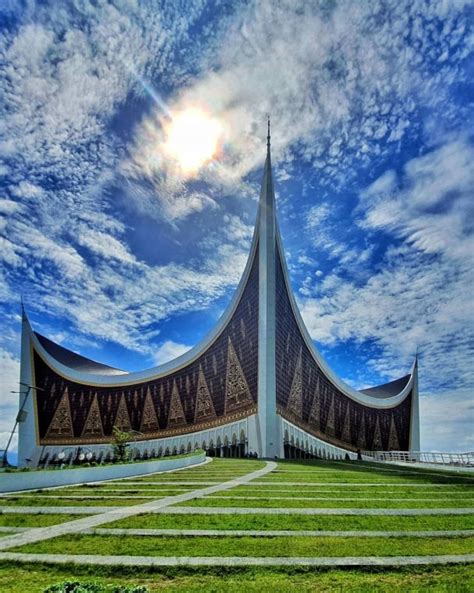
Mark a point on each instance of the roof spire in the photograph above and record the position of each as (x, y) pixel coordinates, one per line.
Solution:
(268, 134)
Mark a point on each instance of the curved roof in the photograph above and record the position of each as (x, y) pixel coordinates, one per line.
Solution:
(75, 361)
(83, 370)
(388, 389)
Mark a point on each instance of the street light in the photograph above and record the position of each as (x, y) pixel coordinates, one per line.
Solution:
(20, 417)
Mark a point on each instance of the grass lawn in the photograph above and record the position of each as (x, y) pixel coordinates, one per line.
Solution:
(123, 488)
(38, 501)
(301, 522)
(14, 520)
(351, 477)
(360, 491)
(248, 546)
(34, 578)
(229, 501)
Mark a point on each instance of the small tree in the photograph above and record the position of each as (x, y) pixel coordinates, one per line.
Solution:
(120, 443)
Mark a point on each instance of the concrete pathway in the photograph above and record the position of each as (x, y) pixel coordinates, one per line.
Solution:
(408, 471)
(43, 533)
(385, 498)
(272, 533)
(235, 560)
(45, 510)
(45, 497)
(303, 511)
(118, 512)
(257, 533)
(352, 484)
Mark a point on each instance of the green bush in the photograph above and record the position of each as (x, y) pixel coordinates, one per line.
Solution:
(90, 587)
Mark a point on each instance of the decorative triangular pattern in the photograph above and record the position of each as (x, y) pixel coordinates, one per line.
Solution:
(393, 442)
(93, 424)
(295, 399)
(315, 413)
(237, 392)
(61, 423)
(329, 430)
(149, 418)
(204, 409)
(361, 442)
(122, 419)
(377, 442)
(346, 429)
(176, 415)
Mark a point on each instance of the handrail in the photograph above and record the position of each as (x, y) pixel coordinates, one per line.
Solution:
(459, 459)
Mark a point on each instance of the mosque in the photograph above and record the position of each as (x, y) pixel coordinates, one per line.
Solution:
(255, 386)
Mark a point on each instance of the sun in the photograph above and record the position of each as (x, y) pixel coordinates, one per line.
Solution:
(192, 139)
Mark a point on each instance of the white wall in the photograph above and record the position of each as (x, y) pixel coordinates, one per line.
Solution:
(11, 482)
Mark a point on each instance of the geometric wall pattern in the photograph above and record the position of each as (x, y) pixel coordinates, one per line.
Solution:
(307, 398)
(217, 387)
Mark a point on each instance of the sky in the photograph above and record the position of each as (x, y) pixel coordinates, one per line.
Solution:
(126, 253)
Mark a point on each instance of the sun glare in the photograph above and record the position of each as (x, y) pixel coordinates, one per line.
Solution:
(192, 139)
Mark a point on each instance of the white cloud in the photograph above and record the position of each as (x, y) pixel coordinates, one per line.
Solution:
(417, 295)
(9, 378)
(430, 205)
(167, 351)
(105, 245)
(447, 419)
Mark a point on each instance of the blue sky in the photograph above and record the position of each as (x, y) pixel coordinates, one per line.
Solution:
(121, 256)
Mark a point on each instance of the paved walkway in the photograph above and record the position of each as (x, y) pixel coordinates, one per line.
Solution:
(275, 533)
(45, 497)
(303, 511)
(411, 469)
(235, 560)
(44, 510)
(119, 512)
(43, 533)
(269, 483)
(257, 533)
(385, 498)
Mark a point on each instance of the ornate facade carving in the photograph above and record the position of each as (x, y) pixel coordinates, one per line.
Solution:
(93, 423)
(204, 409)
(237, 393)
(61, 424)
(176, 415)
(377, 441)
(295, 399)
(361, 440)
(393, 443)
(122, 418)
(329, 430)
(346, 429)
(149, 419)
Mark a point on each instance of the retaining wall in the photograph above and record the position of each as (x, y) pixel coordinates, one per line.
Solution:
(11, 482)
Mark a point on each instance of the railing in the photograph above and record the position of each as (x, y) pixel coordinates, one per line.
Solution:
(459, 459)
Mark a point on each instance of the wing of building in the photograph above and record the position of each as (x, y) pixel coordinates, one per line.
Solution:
(257, 384)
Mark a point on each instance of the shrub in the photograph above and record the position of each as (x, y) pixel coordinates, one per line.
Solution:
(90, 587)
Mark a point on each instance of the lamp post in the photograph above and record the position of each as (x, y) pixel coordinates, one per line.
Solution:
(20, 417)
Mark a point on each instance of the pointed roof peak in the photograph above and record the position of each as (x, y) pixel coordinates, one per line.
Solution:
(268, 134)
(24, 314)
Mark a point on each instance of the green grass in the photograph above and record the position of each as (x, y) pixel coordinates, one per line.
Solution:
(249, 546)
(229, 501)
(108, 491)
(34, 578)
(14, 520)
(38, 501)
(351, 477)
(296, 522)
(360, 491)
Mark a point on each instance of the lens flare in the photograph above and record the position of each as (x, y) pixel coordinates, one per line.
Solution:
(192, 139)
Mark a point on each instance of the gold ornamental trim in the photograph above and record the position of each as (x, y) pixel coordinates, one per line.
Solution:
(179, 431)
